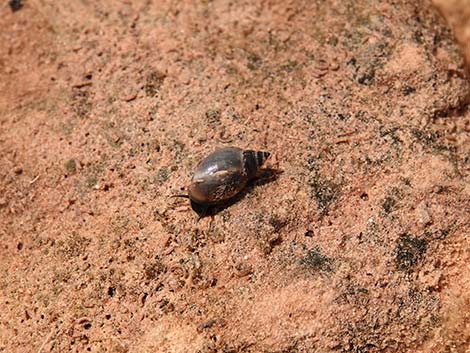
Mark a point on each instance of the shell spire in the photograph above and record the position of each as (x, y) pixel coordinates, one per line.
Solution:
(253, 160)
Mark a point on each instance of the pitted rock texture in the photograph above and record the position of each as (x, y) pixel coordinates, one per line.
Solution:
(359, 245)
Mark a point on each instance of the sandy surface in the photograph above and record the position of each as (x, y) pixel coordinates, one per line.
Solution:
(457, 13)
(360, 245)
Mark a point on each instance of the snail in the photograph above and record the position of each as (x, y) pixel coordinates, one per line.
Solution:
(222, 175)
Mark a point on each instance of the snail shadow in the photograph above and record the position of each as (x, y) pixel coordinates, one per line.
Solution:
(265, 176)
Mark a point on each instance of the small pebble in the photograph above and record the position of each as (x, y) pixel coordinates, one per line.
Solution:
(17, 170)
(129, 96)
(424, 215)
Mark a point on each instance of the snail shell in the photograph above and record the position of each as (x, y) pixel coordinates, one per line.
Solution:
(223, 174)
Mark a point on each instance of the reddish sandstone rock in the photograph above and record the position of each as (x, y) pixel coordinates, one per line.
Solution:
(358, 246)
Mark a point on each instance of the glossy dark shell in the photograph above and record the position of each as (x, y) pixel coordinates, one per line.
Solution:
(223, 174)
